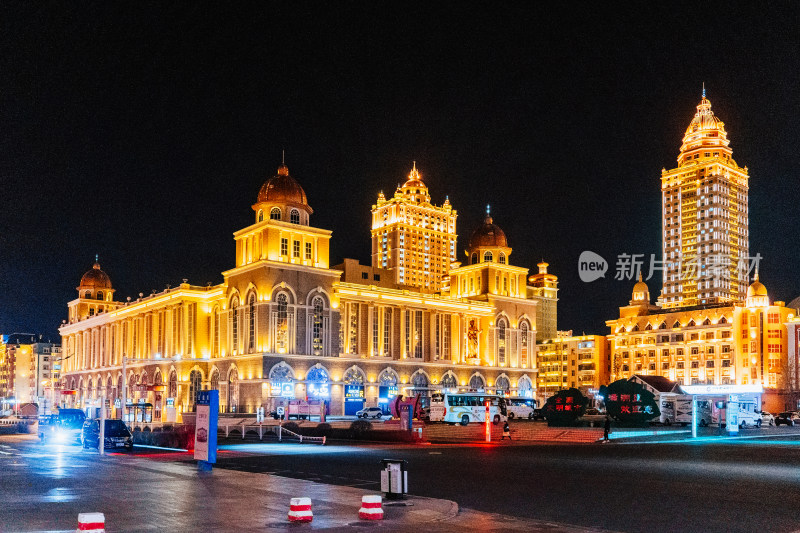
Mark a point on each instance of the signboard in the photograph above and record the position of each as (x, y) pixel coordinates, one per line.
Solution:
(205, 433)
(353, 393)
(282, 390)
(170, 402)
(722, 389)
(732, 414)
(318, 390)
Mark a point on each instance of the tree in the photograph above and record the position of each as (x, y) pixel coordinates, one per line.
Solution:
(564, 407)
(629, 401)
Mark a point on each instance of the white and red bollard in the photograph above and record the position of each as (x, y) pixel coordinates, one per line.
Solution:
(371, 508)
(91, 523)
(300, 510)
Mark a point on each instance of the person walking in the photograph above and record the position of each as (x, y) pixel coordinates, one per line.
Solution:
(506, 431)
(606, 428)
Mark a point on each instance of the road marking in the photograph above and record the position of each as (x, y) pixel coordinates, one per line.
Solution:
(434, 453)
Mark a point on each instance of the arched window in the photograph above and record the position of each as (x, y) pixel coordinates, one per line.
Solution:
(316, 325)
(235, 323)
(215, 379)
(525, 387)
(88, 294)
(251, 323)
(99, 295)
(388, 378)
(233, 391)
(501, 258)
(282, 323)
(195, 380)
(477, 382)
(317, 383)
(118, 392)
(502, 385)
(260, 215)
(275, 213)
(353, 376)
(89, 389)
(420, 381)
(449, 381)
(281, 379)
(501, 342)
(215, 347)
(487, 256)
(172, 389)
(294, 216)
(523, 341)
(474, 258)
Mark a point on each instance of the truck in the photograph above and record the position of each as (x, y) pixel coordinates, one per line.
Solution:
(677, 409)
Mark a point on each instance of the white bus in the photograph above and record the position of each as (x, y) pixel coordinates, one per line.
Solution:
(519, 407)
(463, 408)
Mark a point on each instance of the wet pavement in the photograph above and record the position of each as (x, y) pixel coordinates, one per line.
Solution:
(45, 487)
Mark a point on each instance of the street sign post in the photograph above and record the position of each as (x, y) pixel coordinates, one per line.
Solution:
(732, 414)
(205, 434)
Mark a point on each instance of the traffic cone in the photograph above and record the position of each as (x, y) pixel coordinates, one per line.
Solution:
(91, 523)
(371, 508)
(300, 510)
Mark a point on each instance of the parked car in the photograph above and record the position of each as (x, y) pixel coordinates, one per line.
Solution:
(117, 434)
(62, 428)
(538, 414)
(370, 412)
(593, 415)
(767, 419)
(790, 418)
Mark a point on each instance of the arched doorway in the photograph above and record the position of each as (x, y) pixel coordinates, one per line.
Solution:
(233, 391)
(354, 393)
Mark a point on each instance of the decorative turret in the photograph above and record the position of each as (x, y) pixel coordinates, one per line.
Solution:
(282, 198)
(488, 243)
(95, 284)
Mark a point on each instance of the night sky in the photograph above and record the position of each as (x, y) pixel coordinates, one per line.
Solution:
(143, 132)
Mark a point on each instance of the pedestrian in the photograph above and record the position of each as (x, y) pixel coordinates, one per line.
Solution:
(606, 428)
(506, 431)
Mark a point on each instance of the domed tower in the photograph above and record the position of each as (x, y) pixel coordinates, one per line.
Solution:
(705, 218)
(641, 293)
(95, 295)
(282, 231)
(413, 238)
(488, 243)
(757, 294)
(282, 198)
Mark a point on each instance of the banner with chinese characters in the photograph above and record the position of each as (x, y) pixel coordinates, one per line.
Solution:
(205, 434)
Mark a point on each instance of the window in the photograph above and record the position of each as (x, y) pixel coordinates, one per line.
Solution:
(695, 364)
(387, 330)
(282, 323)
(364, 275)
(235, 324)
(251, 323)
(275, 213)
(502, 259)
(308, 250)
(195, 380)
(260, 215)
(294, 216)
(474, 258)
(284, 246)
(487, 256)
(772, 318)
(376, 277)
(709, 364)
(316, 325)
(501, 342)
(664, 366)
(215, 348)
(726, 363)
(679, 365)
(296, 249)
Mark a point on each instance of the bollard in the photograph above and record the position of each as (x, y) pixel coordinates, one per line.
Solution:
(371, 508)
(300, 510)
(91, 523)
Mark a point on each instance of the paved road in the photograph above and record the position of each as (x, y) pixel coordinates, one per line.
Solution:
(746, 485)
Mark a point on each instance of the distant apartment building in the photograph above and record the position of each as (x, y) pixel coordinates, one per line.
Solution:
(568, 360)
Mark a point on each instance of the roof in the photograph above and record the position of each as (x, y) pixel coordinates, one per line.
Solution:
(657, 383)
(19, 338)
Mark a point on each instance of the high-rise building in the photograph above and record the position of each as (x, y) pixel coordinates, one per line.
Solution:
(414, 238)
(705, 218)
(543, 287)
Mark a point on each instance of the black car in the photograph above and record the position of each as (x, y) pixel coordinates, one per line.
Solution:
(537, 414)
(63, 428)
(787, 417)
(117, 434)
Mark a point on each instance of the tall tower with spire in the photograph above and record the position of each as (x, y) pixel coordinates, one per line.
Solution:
(705, 218)
(413, 237)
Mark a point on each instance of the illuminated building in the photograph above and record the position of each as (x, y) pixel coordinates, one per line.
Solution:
(792, 385)
(736, 344)
(543, 287)
(568, 360)
(18, 368)
(284, 324)
(705, 218)
(412, 237)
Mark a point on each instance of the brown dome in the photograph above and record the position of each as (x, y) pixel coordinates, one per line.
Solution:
(95, 279)
(282, 189)
(488, 235)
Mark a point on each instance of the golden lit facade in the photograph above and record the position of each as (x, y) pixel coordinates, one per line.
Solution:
(734, 344)
(283, 325)
(414, 238)
(567, 360)
(543, 287)
(18, 368)
(705, 218)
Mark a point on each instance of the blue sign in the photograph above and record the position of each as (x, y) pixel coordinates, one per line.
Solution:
(353, 393)
(205, 435)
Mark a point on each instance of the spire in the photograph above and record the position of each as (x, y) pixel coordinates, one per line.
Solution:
(488, 219)
(640, 275)
(704, 89)
(283, 152)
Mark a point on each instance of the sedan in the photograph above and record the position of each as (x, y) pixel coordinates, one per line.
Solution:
(787, 417)
(370, 412)
(767, 419)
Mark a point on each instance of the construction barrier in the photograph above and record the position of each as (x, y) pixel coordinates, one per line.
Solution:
(371, 508)
(300, 510)
(91, 523)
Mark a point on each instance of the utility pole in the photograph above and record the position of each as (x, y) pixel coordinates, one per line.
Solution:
(124, 388)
